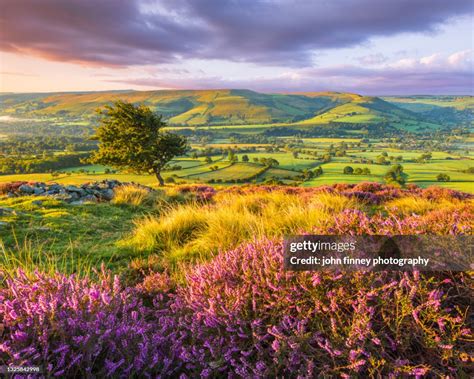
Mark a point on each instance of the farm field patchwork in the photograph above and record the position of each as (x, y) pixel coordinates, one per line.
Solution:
(220, 169)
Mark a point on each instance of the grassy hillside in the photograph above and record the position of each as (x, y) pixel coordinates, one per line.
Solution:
(180, 107)
(445, 110)
(362, 109)
(223, 107)
(417, 102)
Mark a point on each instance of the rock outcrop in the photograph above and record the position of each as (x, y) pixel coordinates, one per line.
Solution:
(77, 194)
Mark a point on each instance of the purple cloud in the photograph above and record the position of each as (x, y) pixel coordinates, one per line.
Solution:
(436, 74)
(372, 59)
(123, 33)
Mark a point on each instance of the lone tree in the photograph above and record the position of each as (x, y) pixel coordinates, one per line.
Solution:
(348, 170)
(443, 178)
(395, 175)
(131, 137)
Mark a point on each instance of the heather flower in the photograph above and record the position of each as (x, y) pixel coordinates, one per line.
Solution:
(323, 323)
(72, 325)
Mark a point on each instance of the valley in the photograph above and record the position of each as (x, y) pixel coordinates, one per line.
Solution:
(241, 136)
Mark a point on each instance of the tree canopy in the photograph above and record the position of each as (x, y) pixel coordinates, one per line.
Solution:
(395, 175)
(132, 137)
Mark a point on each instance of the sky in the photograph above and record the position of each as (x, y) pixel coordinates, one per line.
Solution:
(371, 47)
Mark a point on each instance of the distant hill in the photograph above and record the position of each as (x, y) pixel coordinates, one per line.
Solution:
(441, 109)
(236, 107)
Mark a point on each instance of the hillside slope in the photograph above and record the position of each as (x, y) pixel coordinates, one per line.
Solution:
(362, 109)
(444, 110)
(218, 107)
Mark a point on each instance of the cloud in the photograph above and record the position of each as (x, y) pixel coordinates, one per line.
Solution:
(435, 74)
(372, 59)
(140, 32)
(16, 73)
(461, 58)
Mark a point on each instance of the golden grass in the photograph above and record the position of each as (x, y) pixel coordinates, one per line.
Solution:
(196, 232)
(415, 205)
(178, 225)
(136, 195)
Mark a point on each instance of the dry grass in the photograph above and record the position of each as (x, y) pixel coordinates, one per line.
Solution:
(136, 196)
(196, 232)
(416, 205)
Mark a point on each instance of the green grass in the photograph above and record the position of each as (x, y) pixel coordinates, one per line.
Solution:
(61, 232)
(187, 163)
(193, 232)
(196, 170)
(421, 174)
(81, 178)
(427, 172)
(278, 173)
(50, 235)
(232, 172)
(202, 168)
(328, 141)
(97, 168)
(286, 160)
(362, 110)
(100, 169)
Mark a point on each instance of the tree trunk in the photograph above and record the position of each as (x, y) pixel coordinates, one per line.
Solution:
(160, 178)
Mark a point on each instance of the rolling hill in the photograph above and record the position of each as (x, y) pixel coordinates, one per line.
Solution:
(239, 107)
(441, 109)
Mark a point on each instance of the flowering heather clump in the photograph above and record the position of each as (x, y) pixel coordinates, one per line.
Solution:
(76, 328)
(387, 192)
(155, 283)
(444, 193)
(240, 315)
(10, 187)
(201, 192)
(365, 197)
(380, 192)
(342, 186)
(445, 221)
(253, 319)
(369, 187)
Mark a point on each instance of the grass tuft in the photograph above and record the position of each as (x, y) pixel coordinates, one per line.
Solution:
(136, 196)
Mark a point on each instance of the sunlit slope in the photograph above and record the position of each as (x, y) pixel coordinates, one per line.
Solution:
(362, 109)
(179, 107)
(221, 107)
(421, 103)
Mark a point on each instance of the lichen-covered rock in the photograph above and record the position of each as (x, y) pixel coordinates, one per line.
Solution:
(88, 192)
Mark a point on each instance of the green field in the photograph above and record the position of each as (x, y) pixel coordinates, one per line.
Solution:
(229, 172)
(286, 160)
